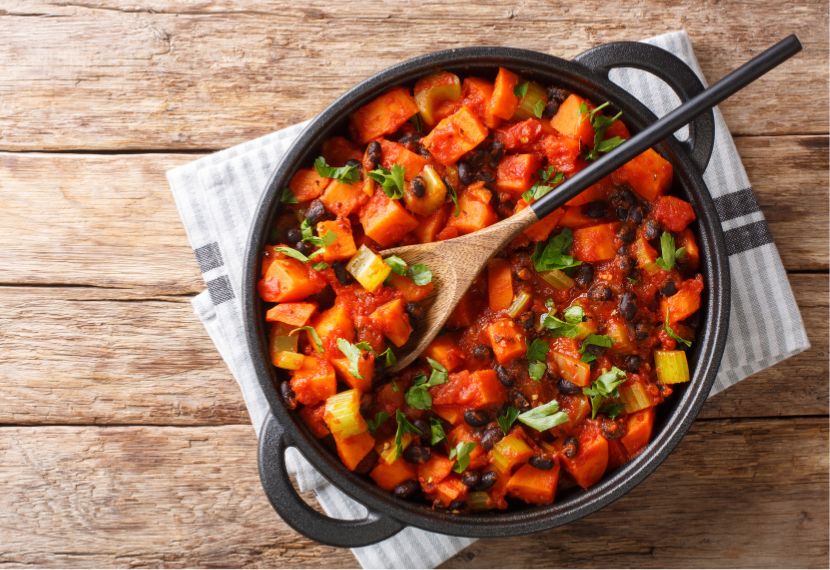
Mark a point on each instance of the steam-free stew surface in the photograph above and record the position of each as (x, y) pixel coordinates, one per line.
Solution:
(549, 371)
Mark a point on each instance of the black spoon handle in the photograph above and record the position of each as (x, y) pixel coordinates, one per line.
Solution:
(657, 131)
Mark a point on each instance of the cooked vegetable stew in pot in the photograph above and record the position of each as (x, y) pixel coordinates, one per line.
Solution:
(549, 370)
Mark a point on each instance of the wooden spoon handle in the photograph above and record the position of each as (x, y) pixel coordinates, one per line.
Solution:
(657, 131)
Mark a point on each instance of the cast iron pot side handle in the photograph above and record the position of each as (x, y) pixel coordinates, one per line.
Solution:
(302, 518)
(670, 69)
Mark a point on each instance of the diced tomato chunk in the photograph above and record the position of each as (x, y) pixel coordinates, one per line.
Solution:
(673, 213)
(391, 318)
(314, 382)
(517, 172)
(595, 243)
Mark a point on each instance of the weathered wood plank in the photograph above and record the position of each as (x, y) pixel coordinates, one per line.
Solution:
(81, 356)
(77, 73)
(110, 221)
(115, 497)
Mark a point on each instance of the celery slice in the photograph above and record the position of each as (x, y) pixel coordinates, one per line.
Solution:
(342, 414)
(671, 366)
(557, 279)
(368, 268)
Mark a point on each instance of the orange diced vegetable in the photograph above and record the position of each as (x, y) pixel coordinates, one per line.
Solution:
(455, 136)
(289, 279)
(434, 471)
(638, 431)
(503, 103)
(393, 153)
(684, 303)
(453, 414)
(532, 485)
(562, 152)
(353, 449)
(392, 320)
(541, 230)
(477, 390)
(595, 243)
(488, 390)
(389, 476)
(476, 212)
(334, 323)
(648, 174)
(645, 255)
(313, 417)
(450, 489)
(591, 460)
(342, 199)
(594, 192)
(339, 150)
(314, 382)
(445, 349)
(520, 136)
(429, 226)
(507, 340)
(570, 120)
(307, 184)
(343, 246)
(294, 314)
(617, 329)
(499, 283)
(476, 95)
(434, 89)
(384, 115)
(408, 288)
(673, 213)
(616, 454)
(365, 366)
(572, 369)
(574, 218)
(691, 258)
(516, 172)
(385, 220)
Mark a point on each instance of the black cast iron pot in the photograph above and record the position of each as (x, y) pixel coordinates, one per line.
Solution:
(588, 76)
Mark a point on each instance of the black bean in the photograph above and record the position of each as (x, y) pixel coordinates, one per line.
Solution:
(406, 489)
(568, 387)
(519, 401)
(557, 94)
(366, 405)
(622, 214)
(571, 447)
(488, 479)
(612, 429)
(476, 418)
(418, 187)
(632, 363)
(600, 293)
(628, 305)
(422, 426)
(652, 230)
(641, 331)
(414, 310)
(304, 247)
(504, 377)
(625, 263)
(526, 320)
(465, 173)
(550, 109)
(595, 350)
(635, 215)
(343, 276)
(456, 505)
(623, 197)
(353, 162)
(417, 454)
(486, 176)
(294, 234)
(668, 289)
(471, 478)
(316, 212)
(288, 395)
(407, 139)
(374, 154)
(491, 437)
(482, 351)
(626, 234)
(496, 153)
(367, 463)
(596, 209)
(584, 274)
(541, 462)
(423, 151)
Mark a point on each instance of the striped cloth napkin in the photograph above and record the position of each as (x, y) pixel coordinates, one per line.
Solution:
(217, 195)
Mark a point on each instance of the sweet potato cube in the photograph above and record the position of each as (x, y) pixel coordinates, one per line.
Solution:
(393, 153)
(489, 390)
(408, 288)
(599, 191)
(445, 349)
(507, 340)
(392, 320)
(541, 230)
(673, 213)
(353, 449)
(339, 150)
(572, 121)
(691, 259)
(475, 95)
(450, 490)
(573, 217)
(312, 416)
(307, 184)
(314, 382)
(343, 246)
(365, 366)
(287, 280)
(532, 485)
(645, 255)
(591, 460)
(684, 303)
(334, 323)
(595, 243)
(638, 431)
(648, 174)
(385, 220)
(516, 172)
(294, 314)
(499, 284)
(342, 199)
(428, 227)
(475, 210)
(434, 471)
(389, 476)
(383, 115)
(504, 101)
(455, 136)
(453, 414)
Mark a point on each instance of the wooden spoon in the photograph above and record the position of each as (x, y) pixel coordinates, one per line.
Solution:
(456, 262)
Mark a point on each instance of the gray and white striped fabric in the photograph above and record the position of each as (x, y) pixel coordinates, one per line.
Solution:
(216, 197)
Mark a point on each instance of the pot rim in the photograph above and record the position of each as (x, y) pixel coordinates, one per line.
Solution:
(706, 354)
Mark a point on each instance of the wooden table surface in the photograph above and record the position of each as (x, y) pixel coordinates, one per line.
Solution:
(123, 438)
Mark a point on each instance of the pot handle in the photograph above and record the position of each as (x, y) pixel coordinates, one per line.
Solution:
(670, 69)
(273, 442)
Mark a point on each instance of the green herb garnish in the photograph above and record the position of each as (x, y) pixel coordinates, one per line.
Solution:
(348, 174)
(544, 417)
(404, 426)
(389, 357)
(379, 419)
(548, 178)
(536, 353)
(315, 338)
(392, 181)
(508, 419)
(539, 109)
(291, 252)
(604, 387)
(674, 335)
(553, 255)
(397, 264)
(288, 196)
(569, 327)
(600, 123)
(520, 90)
(436, 431)
(595, 340)
(454, 197)
(420, 274)
(670, 254)
(461, 454)
(418, 395)
(353, 353)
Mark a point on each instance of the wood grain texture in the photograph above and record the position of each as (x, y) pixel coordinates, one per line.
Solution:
(85, 355)
(164, 496)
(110, 220)
(133, 74)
